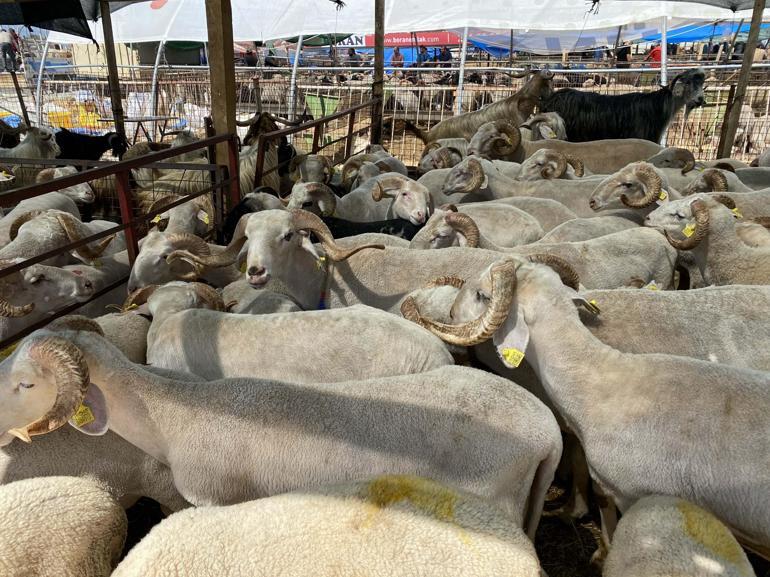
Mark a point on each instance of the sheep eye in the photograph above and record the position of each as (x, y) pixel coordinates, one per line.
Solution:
(287, 237)
(404, 194)
(306, 205)
(26, 385)
(88, 284)
(627, 184)
(480, 296)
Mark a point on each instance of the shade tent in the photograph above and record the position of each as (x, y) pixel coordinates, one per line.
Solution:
(705, 32)
(256, 20)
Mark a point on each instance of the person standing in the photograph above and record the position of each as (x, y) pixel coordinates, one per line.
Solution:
(423, 58)
(623, 56)
(397, 59)
(6, 48)
(354, 58)
(445, 56)
(655, 56)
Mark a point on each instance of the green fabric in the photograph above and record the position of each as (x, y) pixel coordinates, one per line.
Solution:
(320, 106)
(181, 45)
(320, 39)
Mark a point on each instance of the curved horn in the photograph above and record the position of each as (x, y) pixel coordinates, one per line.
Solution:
(567, 274)
(724, 166)
(577, 164)
(475, 181)
(511, 140)
(308, 221)
(10, 311)
(163, 201)
(138, 297)
(454, 281)
(482, 328)
(450, 207)
(65, 361)
(385, 185)
(701, 213)
(724, 199)
(13, 232)
(220, 259)
(75, 323)
(210, 295)
(444, 156)
(76, 230)
(430, 148)
(561, 165)
(715, 180)
(465, 225)
(652, 182)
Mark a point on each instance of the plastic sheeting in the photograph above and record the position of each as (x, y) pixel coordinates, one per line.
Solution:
(259, 20)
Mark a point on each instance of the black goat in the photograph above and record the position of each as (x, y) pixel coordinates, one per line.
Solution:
(590, 116)
(9, 137)
(248, 204)
(88, 147)
(341, 228)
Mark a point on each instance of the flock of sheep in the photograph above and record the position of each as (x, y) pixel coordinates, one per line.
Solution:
(381, 375)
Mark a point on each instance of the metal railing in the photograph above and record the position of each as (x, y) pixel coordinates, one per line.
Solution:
(224, 188)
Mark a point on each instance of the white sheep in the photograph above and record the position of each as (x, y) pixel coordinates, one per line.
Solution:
(53, 526)
(386, 526)
(39, 142)
(661, 536)
(52, 200)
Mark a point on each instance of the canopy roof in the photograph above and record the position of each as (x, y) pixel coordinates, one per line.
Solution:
(256, 20)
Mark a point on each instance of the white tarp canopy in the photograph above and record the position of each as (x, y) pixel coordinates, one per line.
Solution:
(257, 20)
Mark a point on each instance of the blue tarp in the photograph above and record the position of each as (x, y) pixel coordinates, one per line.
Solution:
(704, 32)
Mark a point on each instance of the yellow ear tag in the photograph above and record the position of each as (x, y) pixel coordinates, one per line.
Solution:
(652, 286)
(156, 220)
(320, 263)
(663, 195)
(243, 266)
(83, 416)
(131, 307)
(96, 263)
(595, 304)
(736, 212)
(513, 356)
(203, 216)
(689, 230)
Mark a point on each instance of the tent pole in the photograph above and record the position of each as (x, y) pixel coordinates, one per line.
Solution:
(375, 135)
(733, 113)
(617, 44)
(293, 85)
(732, 42)
(39, 88)
(20, 96)
(510, 51)
(154, 93)
(116, 100)
(463, 53)
(664, 61)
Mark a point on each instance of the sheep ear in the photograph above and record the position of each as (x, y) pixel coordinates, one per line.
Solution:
(547, 132)
(308, 246)
(590, 306)
(485, 182)
(512, 338)
(91, 418)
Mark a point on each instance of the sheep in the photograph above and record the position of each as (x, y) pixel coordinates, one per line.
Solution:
(517, 108)
(444, 153)
(87, 147)
(646, 115)
(379, 157)
(434, 180)
(345, 531)
(600, 156)
(723, 258)
(749, 204)
(277, 156)
(194, 216)
(587, 228)
(547, 164)
(396, 227)
(329, 342)
(60, 526)
(152, 268)
(44, 202)
(411, 201)
(633, 413)
(311, 168)
(459, 426)
(604, 262)
(240, 297)
(754, 178)
(706, 180)
(128, 472)
(545, 126)
(661, 535)
(504, 225)
(80, 193)
(99, 274)
(39, 142)
(254, 201)
(549, 213)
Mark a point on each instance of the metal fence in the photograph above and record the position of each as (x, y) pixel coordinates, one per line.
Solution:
(78, 97)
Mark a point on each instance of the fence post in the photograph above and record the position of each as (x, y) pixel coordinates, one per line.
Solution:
(154, 90)
(664, 63)
(463, 53)
(21, 98)
(351, 127)
(723, 146)
(293, 85)
(316, 138)
(127, 214)
(233, 169)
(39, 89)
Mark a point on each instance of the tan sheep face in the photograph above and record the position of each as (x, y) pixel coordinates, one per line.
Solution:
(412, 204)
(673, 216)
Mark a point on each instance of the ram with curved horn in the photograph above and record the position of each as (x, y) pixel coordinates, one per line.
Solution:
(545, 126)
(674, 157)
(547, 164)
(515, 109)
(725, 258)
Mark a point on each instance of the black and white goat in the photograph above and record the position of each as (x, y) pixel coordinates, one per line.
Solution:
(591, 116)
(87, 147)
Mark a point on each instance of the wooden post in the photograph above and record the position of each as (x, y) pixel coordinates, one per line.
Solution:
(375, 135)
(732, 116)
(116, 100)
(614, 62)
(20, 96)
(219, 19)
(732, 41)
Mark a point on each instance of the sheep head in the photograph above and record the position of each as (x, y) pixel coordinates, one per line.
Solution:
(637, 185)
(411, 200)
(674, 157)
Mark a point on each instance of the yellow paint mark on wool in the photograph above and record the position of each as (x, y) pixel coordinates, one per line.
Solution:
(427, 496)
(702, 527)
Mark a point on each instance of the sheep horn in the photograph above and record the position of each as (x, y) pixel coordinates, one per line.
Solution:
(762, 220)
(430, 148)
(450, 207)
(163, 201)
(715, 180)
(724, 166)
(65, 361)
(482, 328)
(308, 221)
(510, 142)
(227, 257)
(385, 185)
(652, 182)
(8, 310)
(13, 231)
(138, 297)
(724, 199)
(444, 156)
(210, 295)
(561, 165)
(577, 164)
(568, 275)
(476, 179)
(75, 323)
(329, 167)
(465, 225)
(76, 230)
(701, 213)
(454, 281)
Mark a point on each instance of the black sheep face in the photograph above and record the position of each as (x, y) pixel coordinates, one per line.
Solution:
(118, 144)
(689, 87)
